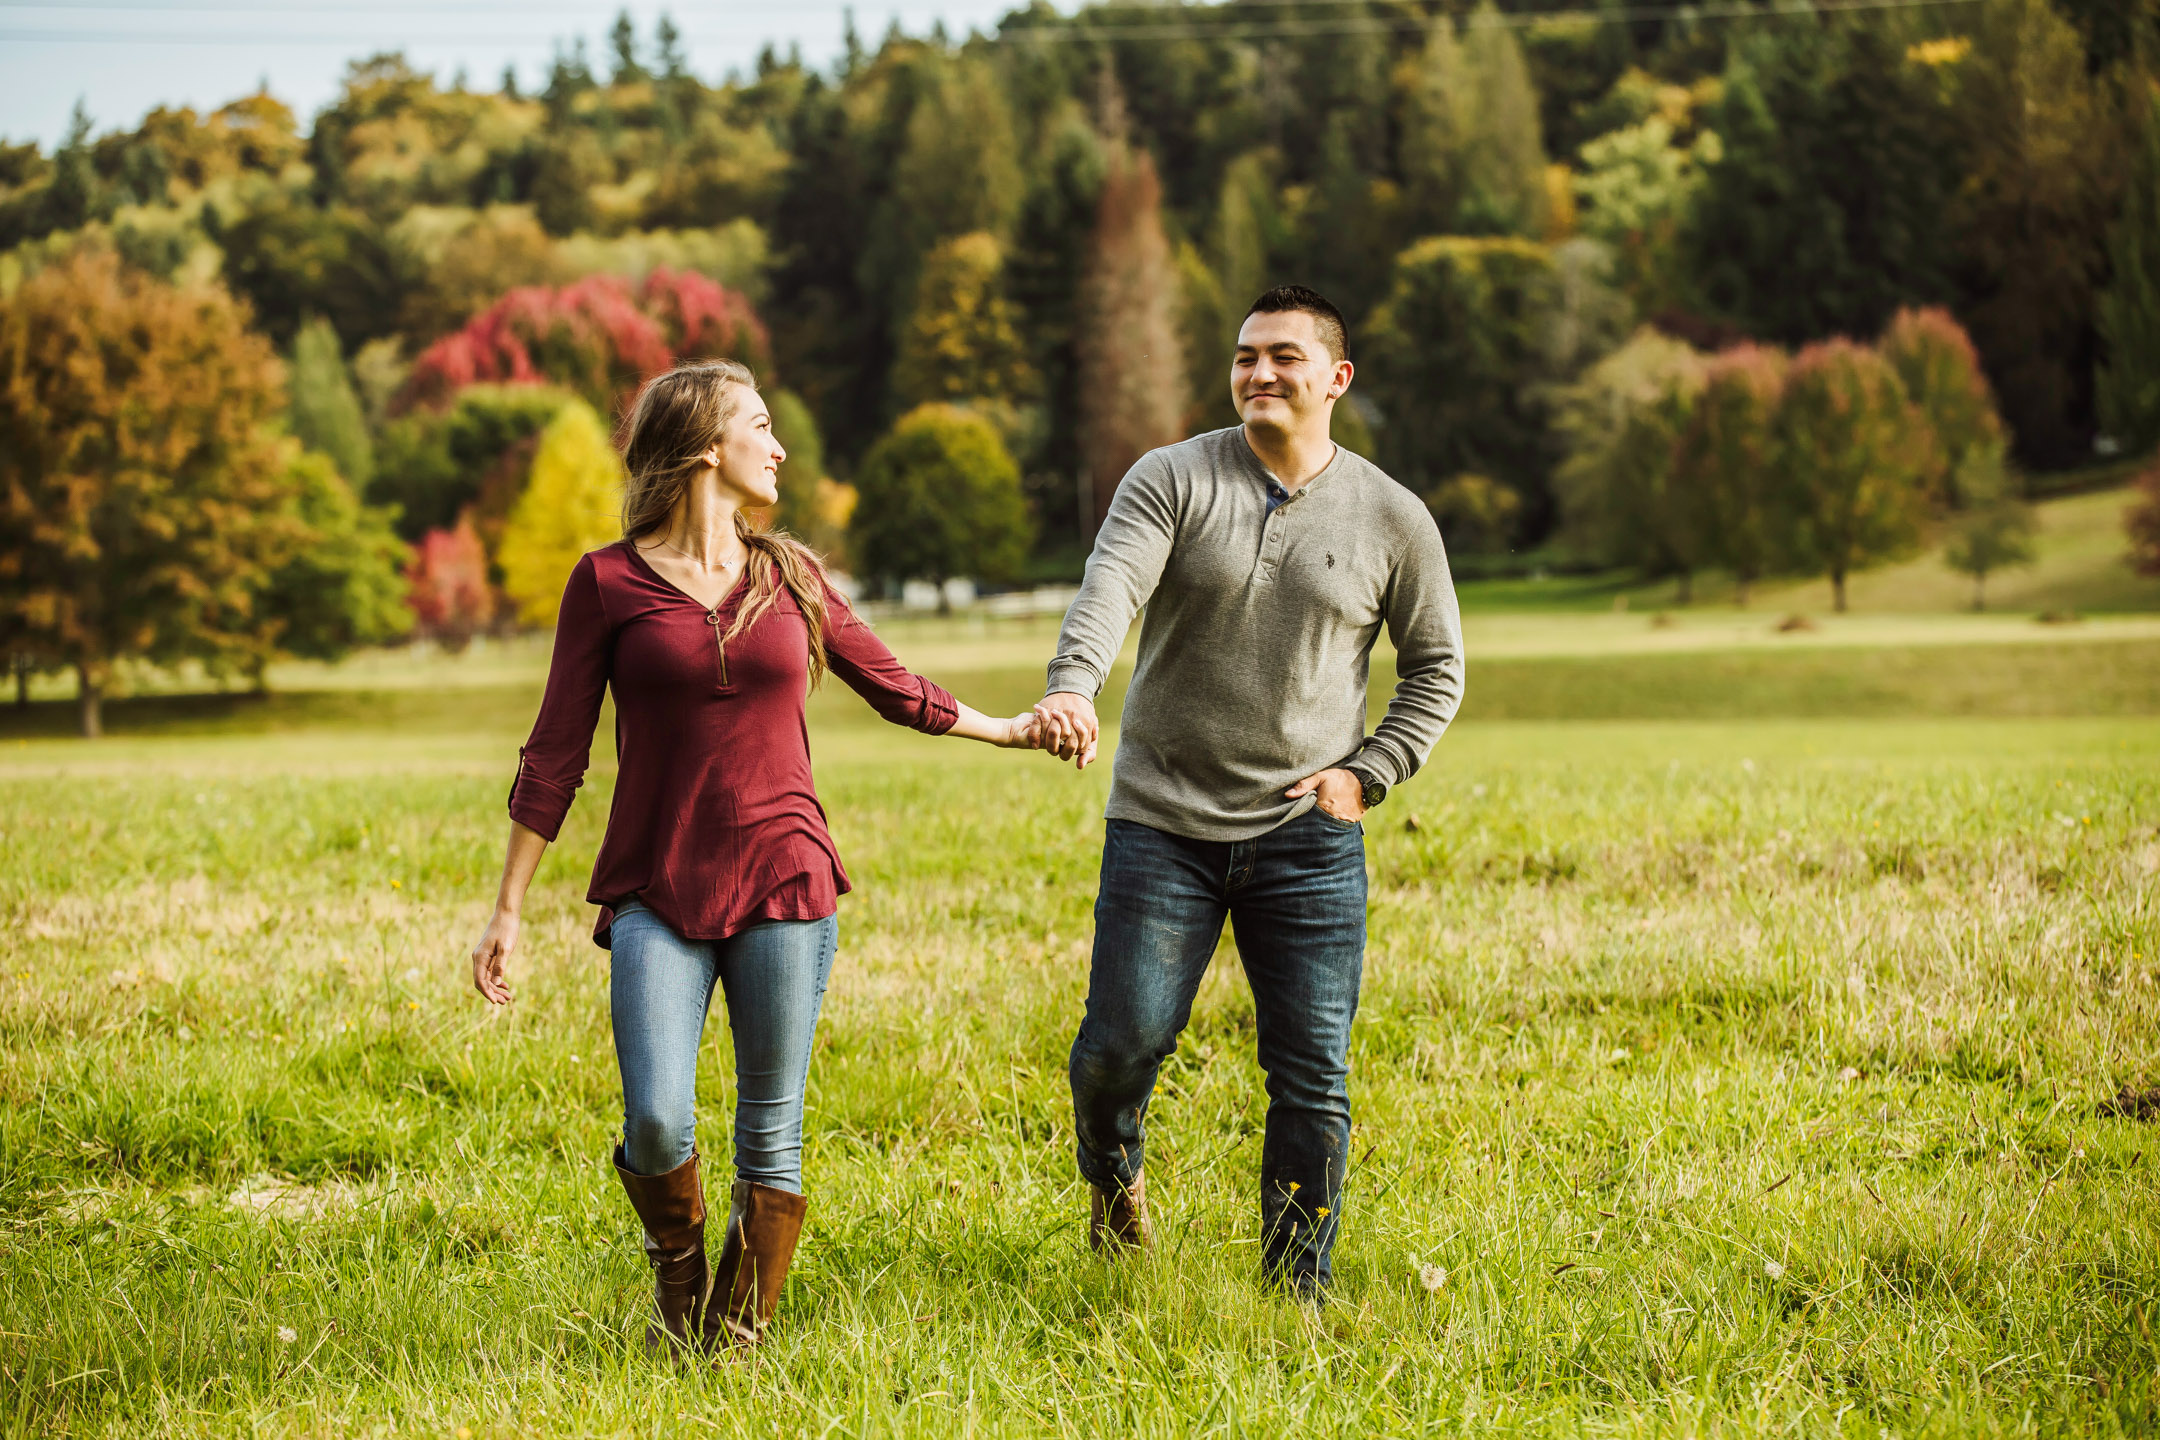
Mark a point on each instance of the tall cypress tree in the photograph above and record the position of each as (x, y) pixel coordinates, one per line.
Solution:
(326, 414)
(2129, 311)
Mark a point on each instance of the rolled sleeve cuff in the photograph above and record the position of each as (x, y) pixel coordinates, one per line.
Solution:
(539, 805)
(1072, 677)
(939, 711)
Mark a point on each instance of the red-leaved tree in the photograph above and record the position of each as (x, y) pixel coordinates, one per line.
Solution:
(599, 336)
(1936, 362)
(449, 595)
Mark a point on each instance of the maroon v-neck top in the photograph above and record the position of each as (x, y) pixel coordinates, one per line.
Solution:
(715, 824)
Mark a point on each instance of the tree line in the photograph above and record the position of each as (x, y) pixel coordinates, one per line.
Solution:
(982, 275)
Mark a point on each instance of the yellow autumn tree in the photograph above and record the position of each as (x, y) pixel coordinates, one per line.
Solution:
(963, 340)
(572, 504)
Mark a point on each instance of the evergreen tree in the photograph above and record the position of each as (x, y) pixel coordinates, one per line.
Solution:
(1459, 358)
(292, 261)
(326, 413)
(2129, 311)
(1473, 155)
(622, 41)
(674, 64)
(1827, 207)
(1043, 270)
(73, 196)
(1853, 459)
(572, 504)
(813, 507)
(1436, 120)
(822, 230)
(958, 172)
(1503, 156)
(2042, 165)
(1248, 232)
(940, 499)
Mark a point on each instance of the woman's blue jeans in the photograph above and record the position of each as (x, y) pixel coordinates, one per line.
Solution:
(774, 976)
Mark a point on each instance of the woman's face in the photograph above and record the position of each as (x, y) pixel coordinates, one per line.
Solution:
(748, 457)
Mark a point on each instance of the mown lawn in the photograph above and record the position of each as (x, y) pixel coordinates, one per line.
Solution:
(1713, 1076)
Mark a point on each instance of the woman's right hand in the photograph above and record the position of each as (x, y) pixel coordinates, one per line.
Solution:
(1021, 733)
(492, 955)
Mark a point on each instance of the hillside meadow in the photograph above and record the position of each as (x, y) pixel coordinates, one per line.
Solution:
(1740, 1050)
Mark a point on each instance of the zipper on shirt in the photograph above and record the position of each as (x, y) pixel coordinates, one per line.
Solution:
(712, 618)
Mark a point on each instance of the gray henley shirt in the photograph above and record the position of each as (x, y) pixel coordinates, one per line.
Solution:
(1259, 634)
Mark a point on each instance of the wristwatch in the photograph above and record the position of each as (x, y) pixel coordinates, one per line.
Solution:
(1373, 790)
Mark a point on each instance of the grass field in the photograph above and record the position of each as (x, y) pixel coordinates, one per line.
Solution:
(1726, 1075)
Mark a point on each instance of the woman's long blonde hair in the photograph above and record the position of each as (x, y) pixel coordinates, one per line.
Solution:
(676, 419)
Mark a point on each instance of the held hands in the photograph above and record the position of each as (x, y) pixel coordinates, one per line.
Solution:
(1342, 794)
(1019, 733)
(492, 955)
(1065, 726)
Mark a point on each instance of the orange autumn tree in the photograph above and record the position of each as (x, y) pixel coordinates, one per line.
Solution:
(1131, 359)
(143, 497)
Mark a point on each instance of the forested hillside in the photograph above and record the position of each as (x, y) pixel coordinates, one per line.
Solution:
(1057, 227)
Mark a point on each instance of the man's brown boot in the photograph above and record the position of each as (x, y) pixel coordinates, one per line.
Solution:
(763, 1225)
(1117, 1218)
(672, 1208)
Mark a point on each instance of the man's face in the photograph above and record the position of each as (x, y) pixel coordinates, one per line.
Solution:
(1283, 378)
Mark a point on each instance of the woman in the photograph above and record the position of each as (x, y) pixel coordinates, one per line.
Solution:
(717, 864)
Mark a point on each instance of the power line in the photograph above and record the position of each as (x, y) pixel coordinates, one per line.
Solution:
(1524, 20)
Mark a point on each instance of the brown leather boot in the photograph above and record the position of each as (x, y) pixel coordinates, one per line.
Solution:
(763, 1225)
(1117, 1218)
(672, 1209)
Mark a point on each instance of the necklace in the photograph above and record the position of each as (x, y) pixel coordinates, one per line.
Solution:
(724, 564)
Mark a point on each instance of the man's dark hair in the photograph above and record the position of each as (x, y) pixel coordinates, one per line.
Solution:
(1334, 334)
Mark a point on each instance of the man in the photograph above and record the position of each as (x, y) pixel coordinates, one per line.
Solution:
(1268, 559)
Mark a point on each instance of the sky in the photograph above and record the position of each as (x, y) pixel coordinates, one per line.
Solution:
(122, 58)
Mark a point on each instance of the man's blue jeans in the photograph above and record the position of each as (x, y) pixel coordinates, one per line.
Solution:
(774, 976)
(1295, 898)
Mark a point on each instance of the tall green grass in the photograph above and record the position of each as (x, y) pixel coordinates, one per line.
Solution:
(1710, 1078)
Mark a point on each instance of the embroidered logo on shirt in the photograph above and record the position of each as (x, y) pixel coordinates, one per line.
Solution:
(1331, 560)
